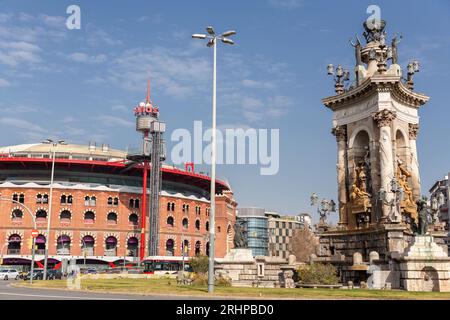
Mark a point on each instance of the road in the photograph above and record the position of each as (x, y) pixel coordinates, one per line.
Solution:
(9, 292)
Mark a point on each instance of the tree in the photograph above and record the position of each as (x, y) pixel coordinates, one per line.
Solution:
(303, 244)
(199, 264)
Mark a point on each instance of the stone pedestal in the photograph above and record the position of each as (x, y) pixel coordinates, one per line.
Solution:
(425, 266)
(244, 270)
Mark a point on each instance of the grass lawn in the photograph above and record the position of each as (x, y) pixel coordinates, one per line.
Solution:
(166, 286)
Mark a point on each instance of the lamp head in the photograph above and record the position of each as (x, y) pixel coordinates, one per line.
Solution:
(330, 69)
(210, 30)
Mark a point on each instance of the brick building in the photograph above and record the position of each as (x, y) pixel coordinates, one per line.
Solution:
(96, 206)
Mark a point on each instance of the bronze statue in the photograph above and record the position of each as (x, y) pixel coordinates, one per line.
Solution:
(423, 217)
(240, 239)
(358, 48)
(394, 45)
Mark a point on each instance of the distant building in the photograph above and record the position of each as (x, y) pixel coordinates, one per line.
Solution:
(256, 229)
(442, 187)
(281, 229)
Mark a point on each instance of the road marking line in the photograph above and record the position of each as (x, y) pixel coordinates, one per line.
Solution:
(59, 297)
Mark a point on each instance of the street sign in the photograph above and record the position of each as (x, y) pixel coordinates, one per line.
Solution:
(34, 233)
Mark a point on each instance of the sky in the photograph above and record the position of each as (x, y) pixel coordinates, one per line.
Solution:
(82, 85)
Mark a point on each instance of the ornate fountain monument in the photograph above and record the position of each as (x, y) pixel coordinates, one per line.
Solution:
(376, 122)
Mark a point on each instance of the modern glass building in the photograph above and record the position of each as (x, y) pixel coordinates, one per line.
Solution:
(255, 225)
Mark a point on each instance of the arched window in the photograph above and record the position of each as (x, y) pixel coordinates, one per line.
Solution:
(86, 201)
(131, 203)
(88, 245)
(63, 245)
(69, 199)
(133, 219)
(207, 225)
(185, 247)
(185, 223)
(39, 198)
(65, 216)
(132, 246)
(41, 215)
(89, 217)
(170, 247)
(14, 244)
(115, 202)
(198, 248)
(40, 244)
(173, 206)
(111, 246)
(15, 197)
(110, 201)
(22, 198)
(45, 198)
(17, 215)
(168, 206)
(197, 225)
(136, 203)
(207, 248)
(63, 199)
(170, 221)
(93, 201)
(112, 218)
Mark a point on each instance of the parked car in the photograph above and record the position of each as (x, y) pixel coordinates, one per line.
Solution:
(38, 274)
(7, 274)
(54, 274)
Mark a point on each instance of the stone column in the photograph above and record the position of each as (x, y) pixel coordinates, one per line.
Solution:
(384, 119)
(413, 131)
(341, 138)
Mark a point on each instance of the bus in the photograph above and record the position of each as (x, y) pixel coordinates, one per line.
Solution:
(162, 265)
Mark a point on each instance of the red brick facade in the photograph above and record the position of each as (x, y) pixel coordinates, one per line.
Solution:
(119, 226)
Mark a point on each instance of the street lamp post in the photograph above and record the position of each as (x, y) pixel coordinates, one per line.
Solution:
(33, 218)
(54, 144)
(212, 42)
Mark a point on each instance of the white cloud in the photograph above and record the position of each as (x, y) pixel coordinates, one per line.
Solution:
(4, 83)
(254, 84)
(286, 4)
(109, 121)
(83, 57)
(21, 124)
(175, 71)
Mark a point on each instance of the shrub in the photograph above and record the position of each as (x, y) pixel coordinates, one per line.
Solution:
(221, 281)
(200, 279)
(318, 273)
(199, 264)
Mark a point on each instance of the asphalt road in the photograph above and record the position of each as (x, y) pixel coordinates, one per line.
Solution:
(9, 292)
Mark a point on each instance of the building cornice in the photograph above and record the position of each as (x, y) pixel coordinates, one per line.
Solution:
(377, 83)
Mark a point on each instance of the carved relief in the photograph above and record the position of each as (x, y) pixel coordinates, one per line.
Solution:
(340, 132)
(413, 131)
(384, 117)
(407, 205)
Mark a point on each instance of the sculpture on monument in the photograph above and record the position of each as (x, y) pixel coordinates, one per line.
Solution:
(394, 46)
(423, 217)
(358, 47)
(407, 205)
(240, 239)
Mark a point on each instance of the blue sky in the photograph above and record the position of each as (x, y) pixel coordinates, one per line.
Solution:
(82, 85)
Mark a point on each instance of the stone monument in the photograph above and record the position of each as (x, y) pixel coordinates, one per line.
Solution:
(375, 122)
